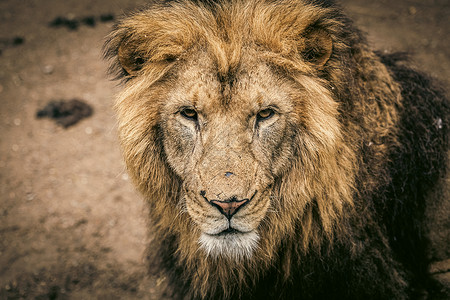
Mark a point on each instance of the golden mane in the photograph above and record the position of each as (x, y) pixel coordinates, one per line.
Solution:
(356, 100)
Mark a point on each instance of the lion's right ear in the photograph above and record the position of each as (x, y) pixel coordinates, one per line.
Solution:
(129, 57)
(152, 39)
(131, 47)
(125, 52)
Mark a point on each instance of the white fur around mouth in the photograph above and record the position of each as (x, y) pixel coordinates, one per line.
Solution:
(234, 244)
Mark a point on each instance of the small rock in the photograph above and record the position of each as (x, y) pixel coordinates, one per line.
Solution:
(70, 22)
(89, 21)
(58, 21)
(18, 40)
(66, 113)
(48, 69)
(106, 18)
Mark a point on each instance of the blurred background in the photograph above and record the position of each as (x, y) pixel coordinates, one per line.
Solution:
(71, 224)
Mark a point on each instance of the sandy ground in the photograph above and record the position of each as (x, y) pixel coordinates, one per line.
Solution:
(71, 224)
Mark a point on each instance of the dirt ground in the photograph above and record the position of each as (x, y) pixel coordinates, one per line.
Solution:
(71, 224)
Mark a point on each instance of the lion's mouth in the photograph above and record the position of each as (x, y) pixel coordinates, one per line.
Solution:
(228, 231)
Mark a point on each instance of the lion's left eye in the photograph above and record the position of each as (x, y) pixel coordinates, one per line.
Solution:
(265, 114)
(189, 114)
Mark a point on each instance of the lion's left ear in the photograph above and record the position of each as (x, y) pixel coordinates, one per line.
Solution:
(317, 47)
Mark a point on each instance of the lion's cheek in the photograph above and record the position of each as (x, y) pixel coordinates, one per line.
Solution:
(274, 159)
(178, 144)
(251, 216)
(274, 148)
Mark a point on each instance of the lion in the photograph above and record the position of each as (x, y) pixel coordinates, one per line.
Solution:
(280, 157)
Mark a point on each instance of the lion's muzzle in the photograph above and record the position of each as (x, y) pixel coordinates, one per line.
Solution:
(227, 207)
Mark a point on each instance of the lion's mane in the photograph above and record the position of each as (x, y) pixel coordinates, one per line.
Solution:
(360, 235)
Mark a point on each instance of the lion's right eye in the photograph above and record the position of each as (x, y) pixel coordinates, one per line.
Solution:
(265, 114)
(189, 114)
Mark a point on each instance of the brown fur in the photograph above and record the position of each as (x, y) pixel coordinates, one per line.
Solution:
(323, 169)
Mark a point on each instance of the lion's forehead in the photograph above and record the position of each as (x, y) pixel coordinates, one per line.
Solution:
(252, 85)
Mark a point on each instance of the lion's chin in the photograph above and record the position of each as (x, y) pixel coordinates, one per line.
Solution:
(235, 245)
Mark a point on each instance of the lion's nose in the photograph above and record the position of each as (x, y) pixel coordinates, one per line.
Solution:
(230, 206)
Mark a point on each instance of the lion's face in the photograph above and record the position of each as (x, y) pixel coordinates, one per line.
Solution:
(237, 119)
(228, 139)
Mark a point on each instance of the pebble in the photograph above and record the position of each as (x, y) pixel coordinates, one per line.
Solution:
(48, 69)
(17, 122)
(88, 130)
(18, 40)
